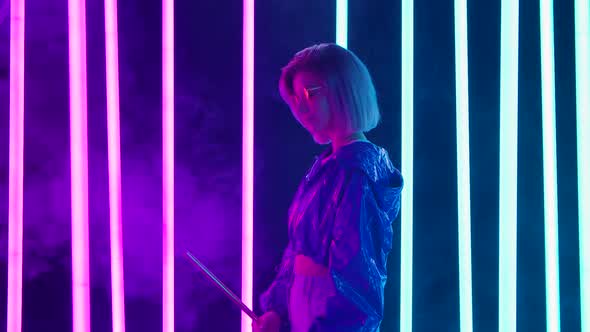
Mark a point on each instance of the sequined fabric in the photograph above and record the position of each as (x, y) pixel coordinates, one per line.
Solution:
(341, 217)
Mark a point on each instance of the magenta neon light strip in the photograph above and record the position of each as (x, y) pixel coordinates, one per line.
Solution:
(168, 163)
(79, 166)
(15, 171)
(112, 75)
(247, 160)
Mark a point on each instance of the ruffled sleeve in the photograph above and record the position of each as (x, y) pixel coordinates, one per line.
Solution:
(361, 241)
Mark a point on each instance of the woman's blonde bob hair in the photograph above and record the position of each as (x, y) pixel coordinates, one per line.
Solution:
(351, 88)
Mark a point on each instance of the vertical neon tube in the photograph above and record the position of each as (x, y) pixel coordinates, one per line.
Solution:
(582, 19)
(16, 166)
(508, 164)
(168, 165)
(463, 170)
(342, 23)
(247, 160)
(116, 227)
(79, 166)
(549, 166)
(407, 212)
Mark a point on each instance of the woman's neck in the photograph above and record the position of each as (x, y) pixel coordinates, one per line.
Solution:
(339, 142)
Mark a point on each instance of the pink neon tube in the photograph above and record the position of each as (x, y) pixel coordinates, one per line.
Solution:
(79, 166)
(15, 171)
(247, 160)
(168, 163)
(112, 75)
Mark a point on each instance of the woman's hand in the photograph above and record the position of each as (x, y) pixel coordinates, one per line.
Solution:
(269, 322)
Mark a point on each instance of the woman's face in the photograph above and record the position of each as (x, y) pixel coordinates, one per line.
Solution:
(309, 104)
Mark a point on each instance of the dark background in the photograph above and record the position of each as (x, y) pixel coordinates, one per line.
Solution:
(208, 156)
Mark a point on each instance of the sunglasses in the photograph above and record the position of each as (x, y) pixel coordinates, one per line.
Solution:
(308, 93)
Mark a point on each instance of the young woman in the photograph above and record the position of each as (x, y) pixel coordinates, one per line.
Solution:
(333, 271)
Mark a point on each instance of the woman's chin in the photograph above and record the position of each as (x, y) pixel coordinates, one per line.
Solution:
(320, 139)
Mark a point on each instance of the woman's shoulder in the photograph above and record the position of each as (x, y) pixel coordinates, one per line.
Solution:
(369, 166)
(367, 158)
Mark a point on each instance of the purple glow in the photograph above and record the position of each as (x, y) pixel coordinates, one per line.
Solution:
(112, 75)
(247, 160)
(79, 166)
(168, 164)
(15, 177)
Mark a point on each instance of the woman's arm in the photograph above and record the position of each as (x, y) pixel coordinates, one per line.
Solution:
(275, 298)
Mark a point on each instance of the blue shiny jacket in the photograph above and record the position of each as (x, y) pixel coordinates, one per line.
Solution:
(341, 217)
